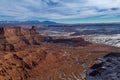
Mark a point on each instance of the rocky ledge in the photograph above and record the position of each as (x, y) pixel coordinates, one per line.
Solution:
(106, 68)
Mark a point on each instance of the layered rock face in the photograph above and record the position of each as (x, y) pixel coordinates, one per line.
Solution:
(15, 38)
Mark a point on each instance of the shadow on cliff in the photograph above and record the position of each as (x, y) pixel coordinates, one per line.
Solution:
(70, 41)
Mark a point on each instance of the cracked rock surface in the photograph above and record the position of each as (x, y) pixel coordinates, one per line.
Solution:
(106, 68)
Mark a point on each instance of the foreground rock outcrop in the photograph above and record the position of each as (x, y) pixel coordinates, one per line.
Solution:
(106, 68)
(16, 38)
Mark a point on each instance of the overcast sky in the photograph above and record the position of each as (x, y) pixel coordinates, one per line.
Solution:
(66, 11)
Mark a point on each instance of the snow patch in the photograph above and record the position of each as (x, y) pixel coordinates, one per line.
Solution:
(112, 40)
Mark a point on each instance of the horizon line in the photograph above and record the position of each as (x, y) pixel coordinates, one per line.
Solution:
(66, 22)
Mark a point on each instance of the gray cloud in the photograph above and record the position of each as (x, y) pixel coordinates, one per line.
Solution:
(59, 9)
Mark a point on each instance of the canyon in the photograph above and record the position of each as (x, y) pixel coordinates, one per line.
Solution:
(27, 55)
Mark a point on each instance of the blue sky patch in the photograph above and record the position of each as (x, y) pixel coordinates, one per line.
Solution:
(69, 11)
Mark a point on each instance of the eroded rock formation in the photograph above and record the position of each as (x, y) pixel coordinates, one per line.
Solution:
(15, 38)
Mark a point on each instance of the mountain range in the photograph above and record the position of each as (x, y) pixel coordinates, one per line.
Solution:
(36, 22)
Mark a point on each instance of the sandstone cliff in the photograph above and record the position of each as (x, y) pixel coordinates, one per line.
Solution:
(16, 38)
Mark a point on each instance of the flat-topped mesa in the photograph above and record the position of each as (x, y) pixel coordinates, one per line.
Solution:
(15, 38)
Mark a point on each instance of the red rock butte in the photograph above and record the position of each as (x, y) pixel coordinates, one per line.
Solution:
(15, 38)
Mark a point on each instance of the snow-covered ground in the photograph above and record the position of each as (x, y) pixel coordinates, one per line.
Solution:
(55, 33)
(112, 40)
